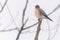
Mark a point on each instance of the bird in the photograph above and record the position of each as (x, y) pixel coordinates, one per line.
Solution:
(40, 13)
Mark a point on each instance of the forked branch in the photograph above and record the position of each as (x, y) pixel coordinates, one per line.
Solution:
(20, 31)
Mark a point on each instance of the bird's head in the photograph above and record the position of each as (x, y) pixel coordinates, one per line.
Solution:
(37, 6)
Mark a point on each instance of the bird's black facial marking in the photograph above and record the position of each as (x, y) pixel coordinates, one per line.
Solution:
(37, 6)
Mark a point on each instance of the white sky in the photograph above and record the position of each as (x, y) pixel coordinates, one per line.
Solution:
(16, 8)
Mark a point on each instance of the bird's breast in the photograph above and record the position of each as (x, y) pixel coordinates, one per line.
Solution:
(37, 13)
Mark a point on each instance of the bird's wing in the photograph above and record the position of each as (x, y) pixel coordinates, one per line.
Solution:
(44, 14)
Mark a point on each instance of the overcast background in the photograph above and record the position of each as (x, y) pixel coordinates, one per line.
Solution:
(16, 9)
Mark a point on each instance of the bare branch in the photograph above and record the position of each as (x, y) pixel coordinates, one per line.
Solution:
(8, 30)
(54, 9)
(38, 29)
(30, 26)
(3, 6)
(20, 31)
(24, 12)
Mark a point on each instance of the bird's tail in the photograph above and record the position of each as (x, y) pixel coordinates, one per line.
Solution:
(50, 19)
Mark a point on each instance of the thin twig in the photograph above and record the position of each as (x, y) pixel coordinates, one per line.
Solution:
(8, 30)
(24, 12)
(10, 15)
(30, 26)
(54, 9)
(3, 6)
(20, 31)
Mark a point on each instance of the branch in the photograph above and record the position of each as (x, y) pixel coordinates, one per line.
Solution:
(54, 9)
(38, 29)
(30, 26)
(14, 28)
(8, 30)
(24, 12)
(20, 31)
(3, 6)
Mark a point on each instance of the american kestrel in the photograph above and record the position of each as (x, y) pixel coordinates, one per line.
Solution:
(39, 13)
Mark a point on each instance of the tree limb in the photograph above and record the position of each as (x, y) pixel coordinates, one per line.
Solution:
(3, 6)
(30, 26)
(24, 12)
(8, 30)
(20, 31)
(38, 29)
(54, 10)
